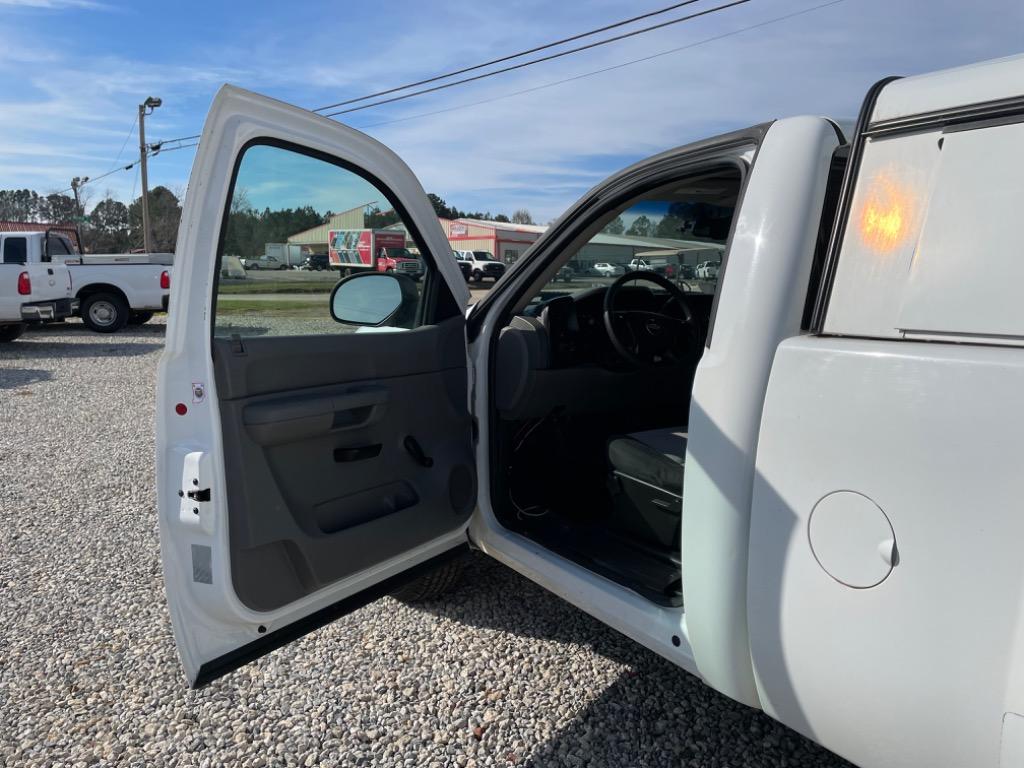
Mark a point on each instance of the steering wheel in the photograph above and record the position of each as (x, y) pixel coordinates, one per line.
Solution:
(644, 338)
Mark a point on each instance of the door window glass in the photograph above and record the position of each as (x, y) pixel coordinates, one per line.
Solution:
(680, 234)
(15, 250)
(285, 204)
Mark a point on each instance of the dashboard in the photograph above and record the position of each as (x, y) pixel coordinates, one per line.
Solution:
(574, 323)
(557, 355)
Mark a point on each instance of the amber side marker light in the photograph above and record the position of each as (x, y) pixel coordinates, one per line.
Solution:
(887, 213)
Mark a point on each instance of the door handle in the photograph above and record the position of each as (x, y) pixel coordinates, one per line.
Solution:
(416, 451)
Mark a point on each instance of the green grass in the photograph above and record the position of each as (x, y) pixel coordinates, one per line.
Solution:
(283, 308)
(277, 286)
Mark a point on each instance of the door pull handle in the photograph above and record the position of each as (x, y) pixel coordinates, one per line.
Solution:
(356, 454)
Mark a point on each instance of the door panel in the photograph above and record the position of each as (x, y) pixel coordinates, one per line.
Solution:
(305, 466)
(320, 482)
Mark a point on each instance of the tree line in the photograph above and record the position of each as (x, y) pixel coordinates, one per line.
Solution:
(700, 221)
(110, 227)
(113, 227)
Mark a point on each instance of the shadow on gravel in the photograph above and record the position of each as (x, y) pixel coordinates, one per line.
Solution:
(79, 329)
(654, 714)
(14, 378)
(104, 346)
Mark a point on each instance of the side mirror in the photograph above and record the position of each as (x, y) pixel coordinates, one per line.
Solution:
(375, 298)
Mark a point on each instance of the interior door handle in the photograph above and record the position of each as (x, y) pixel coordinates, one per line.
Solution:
(362, 398)
(416, 451)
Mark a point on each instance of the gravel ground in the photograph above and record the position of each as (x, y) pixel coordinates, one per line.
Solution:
(500, 673)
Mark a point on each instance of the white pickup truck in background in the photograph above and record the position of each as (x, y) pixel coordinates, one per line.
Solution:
(30, 290)
(113, 289)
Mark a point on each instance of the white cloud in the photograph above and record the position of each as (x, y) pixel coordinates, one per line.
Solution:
(56, 4)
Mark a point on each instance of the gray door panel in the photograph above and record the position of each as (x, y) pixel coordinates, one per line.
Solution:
(322, 480)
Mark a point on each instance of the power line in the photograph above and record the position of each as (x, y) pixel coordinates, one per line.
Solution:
(173, 149)
(126, 138)
(591, 73)
(93, 179)
(159, 145)
(152, 153)
(531, 62)
(509, 57)
(180, 138)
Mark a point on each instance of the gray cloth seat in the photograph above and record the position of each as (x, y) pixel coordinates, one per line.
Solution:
(647, 485)
(656, 457)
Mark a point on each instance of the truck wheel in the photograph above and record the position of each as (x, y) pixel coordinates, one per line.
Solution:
(478, 276)
(139, 318)
(433, 584)
(104, 312)
(11, 332)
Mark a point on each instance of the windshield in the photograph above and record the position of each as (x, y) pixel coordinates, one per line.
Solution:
(680, 236)
(399, 253)
(483, 256)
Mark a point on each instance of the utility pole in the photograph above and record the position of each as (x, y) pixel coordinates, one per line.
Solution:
(145, 108)
(76, 183)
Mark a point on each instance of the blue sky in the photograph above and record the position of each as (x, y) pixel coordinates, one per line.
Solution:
(75, 70)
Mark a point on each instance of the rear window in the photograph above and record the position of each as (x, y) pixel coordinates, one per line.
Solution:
(15, 250)
(58, 246)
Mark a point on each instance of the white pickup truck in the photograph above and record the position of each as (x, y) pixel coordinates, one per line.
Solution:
(804, 489)
(112, 290)
(481, 264)
(31, 291)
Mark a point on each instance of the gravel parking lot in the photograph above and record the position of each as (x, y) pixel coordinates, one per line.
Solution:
(501, 673)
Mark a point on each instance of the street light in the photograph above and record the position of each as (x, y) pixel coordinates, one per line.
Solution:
(146, 108)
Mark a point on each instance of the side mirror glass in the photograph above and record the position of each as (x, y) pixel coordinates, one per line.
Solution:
(373, 298)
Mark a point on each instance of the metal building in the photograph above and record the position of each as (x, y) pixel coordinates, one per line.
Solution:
(505, 240)
(316, 237)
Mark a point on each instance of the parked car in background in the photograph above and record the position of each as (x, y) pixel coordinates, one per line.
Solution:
(604, 269)
(32, 288)
(292, 254)
(639, 264)
(264, 262)
(112, 289)
(482, 264)
(708, 270)
(565, 274)
(316, 262)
